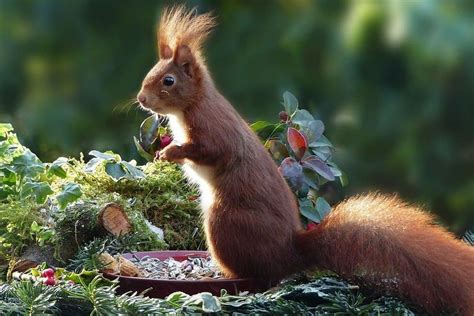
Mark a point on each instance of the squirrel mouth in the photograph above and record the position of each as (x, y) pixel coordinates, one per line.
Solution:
(146, 108)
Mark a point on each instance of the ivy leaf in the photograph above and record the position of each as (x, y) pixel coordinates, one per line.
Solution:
(302, 118)
(7, 176)
(323, 207)
(40, 190)
(307, 210)
(132, 170)
(115, 170)
(27, 164)
(92, 164)
(297, 142)
(70, 193)
(316, 164)
(290, 103)
(292, 172)
(56, 167)
(104, 156)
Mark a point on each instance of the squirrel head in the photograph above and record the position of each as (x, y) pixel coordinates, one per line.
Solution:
(177, 80)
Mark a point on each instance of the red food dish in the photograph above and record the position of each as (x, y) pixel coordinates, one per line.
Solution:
(160, 288)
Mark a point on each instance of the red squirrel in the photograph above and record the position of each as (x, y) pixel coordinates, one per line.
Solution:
(251, 217)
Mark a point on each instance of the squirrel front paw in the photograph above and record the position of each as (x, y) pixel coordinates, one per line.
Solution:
(171, 153)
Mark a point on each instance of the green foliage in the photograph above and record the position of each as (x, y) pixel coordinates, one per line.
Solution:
(149, 141)
(34, 298)
(304, 156)
(92, 295)
(54, 203)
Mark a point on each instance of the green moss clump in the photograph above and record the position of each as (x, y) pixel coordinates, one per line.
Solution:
(162, 197)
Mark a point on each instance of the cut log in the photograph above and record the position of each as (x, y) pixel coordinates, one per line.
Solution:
(111, 219)
(114, 220)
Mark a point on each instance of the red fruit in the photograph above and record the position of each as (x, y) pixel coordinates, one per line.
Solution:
(165, 140)
(311, 225)
(283, 116)
(48, 273)
(49, 281)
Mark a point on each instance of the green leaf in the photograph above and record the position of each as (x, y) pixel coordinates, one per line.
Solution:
(56, 167)
(5, 192)
(302, 118)
(343, 179)
(27, 164)
(177, 298)
(313, 131)
(92, 164)
(40, 190)
(149, 131)
(132, 170)
(323, 207)
(70, 193)
(5, 127)
(265, 130)
(324, 153)
(311, 178)
(142, 151)
(7, 176)
(34, 228)
(109, 156)
(115, 170)
(307, 210)
(210, 303)
(290, 103)
(322, 142)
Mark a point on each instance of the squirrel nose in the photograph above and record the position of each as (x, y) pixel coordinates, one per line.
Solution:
(141, 97)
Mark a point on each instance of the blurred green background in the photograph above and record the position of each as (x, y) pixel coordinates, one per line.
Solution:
(392, 80)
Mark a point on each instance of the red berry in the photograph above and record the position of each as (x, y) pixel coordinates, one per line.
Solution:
(311, 225)
(49, 281)
(165, 140)
(283, 116)
(48, 273)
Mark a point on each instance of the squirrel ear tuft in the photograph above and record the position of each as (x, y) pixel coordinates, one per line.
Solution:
(184, 58)
(165, 51)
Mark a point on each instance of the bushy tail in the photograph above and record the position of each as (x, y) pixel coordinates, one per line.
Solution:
(396, 248)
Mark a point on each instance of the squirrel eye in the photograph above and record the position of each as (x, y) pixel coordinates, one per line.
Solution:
(168, 81)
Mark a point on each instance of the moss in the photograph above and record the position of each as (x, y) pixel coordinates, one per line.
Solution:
(16, 219)
(163, 197)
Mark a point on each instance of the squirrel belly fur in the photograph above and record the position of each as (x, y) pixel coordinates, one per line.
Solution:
(250, 216)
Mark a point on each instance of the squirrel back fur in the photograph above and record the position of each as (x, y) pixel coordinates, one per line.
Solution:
(250, 215)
